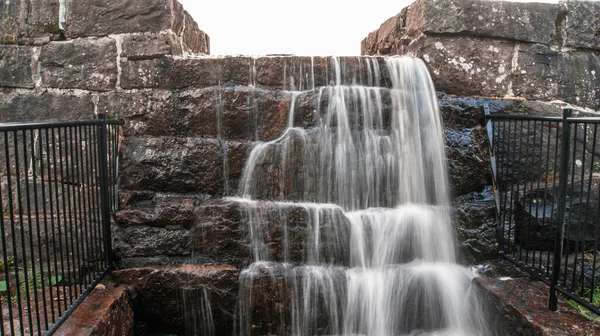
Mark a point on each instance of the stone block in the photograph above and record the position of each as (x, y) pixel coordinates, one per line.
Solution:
(112, 311)
(468, 160)
(202, 72)
(527, 22)
(547, 74)
(102, 17)
(582, 26)
(148, 113)
(17, 66)
(29, 21)
(236, 113)
(465, 65)
(173, 298)
(139, 74)
(194, 39)
(148, 45)
(144, 241)
(388, 39)
(44, 105)
(89, 64)
(179, 165)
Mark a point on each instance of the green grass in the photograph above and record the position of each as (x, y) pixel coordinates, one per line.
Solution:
(34, 281)
(584, 311)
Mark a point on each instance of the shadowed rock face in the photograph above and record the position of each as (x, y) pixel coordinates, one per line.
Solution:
(498, 48)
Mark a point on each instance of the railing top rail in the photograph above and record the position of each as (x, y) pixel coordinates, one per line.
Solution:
(584, 120)
(18, 126)
(522, 117)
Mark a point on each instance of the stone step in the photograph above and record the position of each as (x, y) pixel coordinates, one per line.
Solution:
(177, 298)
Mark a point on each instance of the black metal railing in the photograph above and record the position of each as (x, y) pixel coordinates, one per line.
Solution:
(58, 187)
(547, 182)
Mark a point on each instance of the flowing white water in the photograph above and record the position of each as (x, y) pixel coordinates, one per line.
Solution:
(378, 255)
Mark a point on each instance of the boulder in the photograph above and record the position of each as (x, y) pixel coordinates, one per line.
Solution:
(89, 64)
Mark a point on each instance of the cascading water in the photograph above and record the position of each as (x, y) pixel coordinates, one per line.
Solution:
(378, 256)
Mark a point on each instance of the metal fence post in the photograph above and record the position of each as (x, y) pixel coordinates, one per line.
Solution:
(104, 202)
(562, 202)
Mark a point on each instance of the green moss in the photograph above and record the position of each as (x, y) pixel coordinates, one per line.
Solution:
(50, 28)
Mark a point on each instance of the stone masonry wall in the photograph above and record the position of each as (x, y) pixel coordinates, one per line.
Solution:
(61, 59)
(536, 51)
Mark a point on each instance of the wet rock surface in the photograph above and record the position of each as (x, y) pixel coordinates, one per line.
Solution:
(476, 226)
(184, 298)
(519, 306)
(111, 309)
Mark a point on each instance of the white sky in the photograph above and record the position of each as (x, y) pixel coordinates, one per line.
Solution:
(305, 27)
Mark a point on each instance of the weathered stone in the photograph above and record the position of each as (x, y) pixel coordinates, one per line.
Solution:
(202, 72)
(476, 226)
(468, 160)
(80, 64)
(238, 113)
(175, 298)
(139, 74)
(388, 39)
(528, 22)
(226, 229)
(112, 311)
(520, 307)
(546, 74)
(179, 165)
(147, 45)
(44, 105)
(101, 18)
(148, 113)
(29, 21)
(468, 112)
(465, 65)
(144, 241)
(194, 39)
(17, 66)
(582, 27)
(160, 212)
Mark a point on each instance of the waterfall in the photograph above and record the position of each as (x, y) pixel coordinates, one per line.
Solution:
(378, 253)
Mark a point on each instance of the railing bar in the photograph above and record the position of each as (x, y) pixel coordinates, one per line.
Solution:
(522, 117)
(73, 221)
(58, 217)
(499, 167)
(24, 255)
(66, 214)
(572, 171)
(51, 203)
(511, 233)
(18, 126)
(587, 120)
(537, 208)
(96, 198)
(579, 223)
(71, 253)
(104, 202)
(519, 189)
(29, 220)
(45, 212)
(593, 285)
(556, 168)
(504, 172)
(91, 198)
(86, 279)
(4, 251)
(587, 203)
(529, 157)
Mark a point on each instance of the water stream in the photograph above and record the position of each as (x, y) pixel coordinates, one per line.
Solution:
(378, 255)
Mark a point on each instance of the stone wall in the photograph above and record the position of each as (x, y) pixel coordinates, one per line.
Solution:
(63, 59)
(501, 49)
